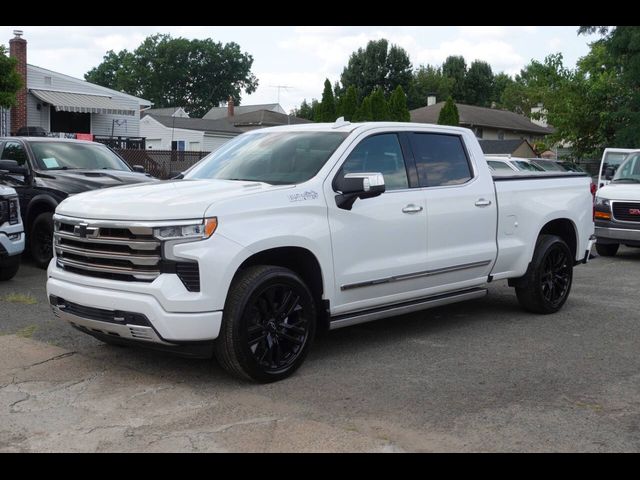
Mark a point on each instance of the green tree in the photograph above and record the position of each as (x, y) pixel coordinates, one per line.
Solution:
(449, 114)
(455, 68)
(377, 65)
(428, 80)
(379, 106)
(10, 81)
(304, 111)
(195, 74)
(349, 103)
(364, 112)
(500, 83)
(478, 84)
(398, 110)
(327, 104)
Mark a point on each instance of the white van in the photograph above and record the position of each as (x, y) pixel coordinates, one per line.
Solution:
(612, 157)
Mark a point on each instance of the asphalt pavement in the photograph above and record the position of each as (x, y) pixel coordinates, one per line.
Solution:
(478, 376)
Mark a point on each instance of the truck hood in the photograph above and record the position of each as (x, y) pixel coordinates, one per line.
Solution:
(169, 200)
(77, 181)
(621, 191)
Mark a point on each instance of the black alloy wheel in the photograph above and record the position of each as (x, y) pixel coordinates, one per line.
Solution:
(41, 239)
(268, 324)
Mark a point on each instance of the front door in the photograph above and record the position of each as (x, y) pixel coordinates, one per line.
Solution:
(382, 239)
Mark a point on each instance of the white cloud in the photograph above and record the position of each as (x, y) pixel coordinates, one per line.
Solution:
(499, 54)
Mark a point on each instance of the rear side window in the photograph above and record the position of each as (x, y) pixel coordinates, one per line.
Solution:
(379, 154)
(498, 165)
(440, 159)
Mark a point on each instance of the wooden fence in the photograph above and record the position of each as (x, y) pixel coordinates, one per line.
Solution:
(162, 164)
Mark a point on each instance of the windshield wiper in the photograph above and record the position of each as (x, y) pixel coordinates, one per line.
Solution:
(628, 179)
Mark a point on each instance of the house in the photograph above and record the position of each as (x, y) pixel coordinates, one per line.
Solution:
(262, 119)
(164, 132)
(221, 112)
(165, 112)
(487, 123)
(62, 104)
(515, 148)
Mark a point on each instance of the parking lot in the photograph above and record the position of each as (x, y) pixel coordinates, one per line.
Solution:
(476, 376)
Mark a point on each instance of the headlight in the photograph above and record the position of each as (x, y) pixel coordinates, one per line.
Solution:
(602, 202)
(191, 232)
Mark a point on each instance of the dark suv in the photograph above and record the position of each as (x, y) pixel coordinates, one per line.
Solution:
(44, 171)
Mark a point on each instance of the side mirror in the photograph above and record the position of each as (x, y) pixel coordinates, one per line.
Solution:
(358, 185)
(139, 169)
(11, 166)
(609, 172)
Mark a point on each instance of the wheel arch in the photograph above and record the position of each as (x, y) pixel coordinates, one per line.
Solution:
(38, 204)
(299, 260)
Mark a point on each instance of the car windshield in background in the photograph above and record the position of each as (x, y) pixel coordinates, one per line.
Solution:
(74, 156)
(272, 157)
(549, 165)
(613, 160)
(629, 171)
(526, 166)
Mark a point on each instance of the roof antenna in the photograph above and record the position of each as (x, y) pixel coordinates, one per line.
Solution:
(340, 122)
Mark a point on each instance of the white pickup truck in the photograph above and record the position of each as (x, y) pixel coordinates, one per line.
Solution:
(286, 230)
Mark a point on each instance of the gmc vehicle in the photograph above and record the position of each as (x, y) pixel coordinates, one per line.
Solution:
(611, 160)
(11, 233)
(286, 230)
(44, 171)
(617, 214)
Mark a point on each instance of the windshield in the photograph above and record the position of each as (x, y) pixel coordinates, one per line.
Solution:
(629, 171)
(613, 160)
(277, 158)
(71, 156)
(549, 165)
(526, 166)
(498, 165)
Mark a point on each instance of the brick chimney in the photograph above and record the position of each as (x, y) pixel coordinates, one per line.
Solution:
(18, 50)
(230, 107)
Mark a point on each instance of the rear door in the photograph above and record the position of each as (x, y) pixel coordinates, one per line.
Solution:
(461, 210)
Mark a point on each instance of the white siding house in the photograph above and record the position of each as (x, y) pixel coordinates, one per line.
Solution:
(190, 134)
(43, 84)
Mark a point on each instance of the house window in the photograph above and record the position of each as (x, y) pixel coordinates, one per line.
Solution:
(47, 81)
(478, 131)
(70, 122)
(500, 134)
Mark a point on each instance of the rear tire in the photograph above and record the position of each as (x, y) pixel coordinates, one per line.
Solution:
(41, 239)
(9, 267)
(608, 249)
(548, 280)
(268, 324)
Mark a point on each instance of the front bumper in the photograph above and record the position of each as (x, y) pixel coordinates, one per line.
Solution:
(12, 240)
(617, 235)
(163, 327)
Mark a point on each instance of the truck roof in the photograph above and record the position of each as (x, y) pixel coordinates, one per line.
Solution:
(46, 139)
(351, 127)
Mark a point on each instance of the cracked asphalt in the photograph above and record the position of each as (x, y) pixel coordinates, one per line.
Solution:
(477, 376)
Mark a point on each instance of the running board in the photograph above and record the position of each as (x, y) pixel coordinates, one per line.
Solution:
(363, 316)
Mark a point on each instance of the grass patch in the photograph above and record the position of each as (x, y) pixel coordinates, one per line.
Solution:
(20, 298)
(26, 332)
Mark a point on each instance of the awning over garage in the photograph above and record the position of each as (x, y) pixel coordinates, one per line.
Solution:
(81, 102)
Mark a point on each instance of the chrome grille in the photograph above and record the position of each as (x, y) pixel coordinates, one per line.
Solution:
(626, 211)
(108, 250)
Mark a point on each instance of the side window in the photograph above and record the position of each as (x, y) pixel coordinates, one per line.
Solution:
(379, 154)
(14, 151)
(440, 159)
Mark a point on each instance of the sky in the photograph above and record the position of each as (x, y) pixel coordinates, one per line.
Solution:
(300, 58)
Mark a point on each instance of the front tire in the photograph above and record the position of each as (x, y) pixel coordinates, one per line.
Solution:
(268, 325)
(607, 250)
(9, 267)
(548, 280)
(41, 239)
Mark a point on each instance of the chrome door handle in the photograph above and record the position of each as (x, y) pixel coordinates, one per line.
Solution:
(411, 208)
(483, 203)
